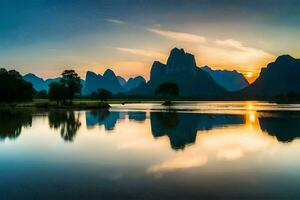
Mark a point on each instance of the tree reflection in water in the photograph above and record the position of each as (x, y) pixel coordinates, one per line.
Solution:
(12, 121)
(66, 121)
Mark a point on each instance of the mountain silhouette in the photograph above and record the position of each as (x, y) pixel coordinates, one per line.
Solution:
(133, 83)
(111, 82)
(38, 83)
(279, 77)
(181, 69)
(121, 80)
(230, 80)
(108, 81)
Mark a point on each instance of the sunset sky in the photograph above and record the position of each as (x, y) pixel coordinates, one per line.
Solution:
(45, 37)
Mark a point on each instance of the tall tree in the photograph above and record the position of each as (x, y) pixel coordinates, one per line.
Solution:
(66, 89)
(71, 81)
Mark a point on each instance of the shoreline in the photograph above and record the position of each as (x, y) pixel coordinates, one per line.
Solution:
(84, 104)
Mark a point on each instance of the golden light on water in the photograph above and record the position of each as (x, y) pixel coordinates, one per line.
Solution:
(252, 117)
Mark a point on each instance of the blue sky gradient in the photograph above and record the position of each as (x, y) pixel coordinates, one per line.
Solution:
(45, 37)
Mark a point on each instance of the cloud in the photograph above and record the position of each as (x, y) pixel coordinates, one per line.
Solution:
(235, 45)
(178, 36)
(180, 162)
(115, 21)
(229, 54)
(140, 52)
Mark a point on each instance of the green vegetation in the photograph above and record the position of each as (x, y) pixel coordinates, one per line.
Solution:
(13, 88)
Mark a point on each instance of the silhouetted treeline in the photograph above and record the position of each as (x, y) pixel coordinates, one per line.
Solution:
(13, 88)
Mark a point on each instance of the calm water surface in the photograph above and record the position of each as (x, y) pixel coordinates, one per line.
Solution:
(218, 150)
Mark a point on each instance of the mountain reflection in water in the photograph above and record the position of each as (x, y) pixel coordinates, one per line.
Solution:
(284, 126)
(182, 128)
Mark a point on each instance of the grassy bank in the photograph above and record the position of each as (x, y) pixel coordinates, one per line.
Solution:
(76, 104)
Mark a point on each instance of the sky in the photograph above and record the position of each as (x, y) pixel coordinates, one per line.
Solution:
(46, 37)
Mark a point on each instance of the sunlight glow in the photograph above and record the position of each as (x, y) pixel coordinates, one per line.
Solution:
(249, 74)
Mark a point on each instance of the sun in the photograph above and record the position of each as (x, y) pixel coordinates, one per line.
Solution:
(249, 74)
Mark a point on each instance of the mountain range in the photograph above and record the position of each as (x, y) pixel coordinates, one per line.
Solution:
(279, 77)
(93, 81)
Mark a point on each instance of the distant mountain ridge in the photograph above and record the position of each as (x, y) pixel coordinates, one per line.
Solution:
(230, 80)
(93, 81)
(111, 82)
(38, 83)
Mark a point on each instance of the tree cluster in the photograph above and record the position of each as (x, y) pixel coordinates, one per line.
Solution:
(13, 88)
(65, 90)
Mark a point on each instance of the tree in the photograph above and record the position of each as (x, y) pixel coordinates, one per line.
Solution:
(72, 83)
(167, 91)
(102, 94)
(13, 87)
(57, 92)
(66, 89)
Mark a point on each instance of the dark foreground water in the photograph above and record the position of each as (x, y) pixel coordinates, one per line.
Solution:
(217, 150)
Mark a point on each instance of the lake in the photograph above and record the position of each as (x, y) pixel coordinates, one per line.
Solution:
(217, 150)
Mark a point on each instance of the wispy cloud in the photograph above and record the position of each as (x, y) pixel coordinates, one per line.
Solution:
(238, 46)
(115, 21)
(178, 36)
(140, 52)
(229, 54)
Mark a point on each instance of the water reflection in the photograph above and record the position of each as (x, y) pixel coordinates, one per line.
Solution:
(182, 128)
(233, 151)
(284, 126)
(137, 116)
(66, 121)
(103, 117)
(11, 123)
